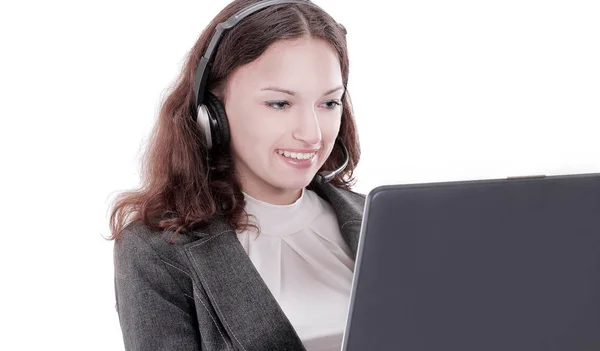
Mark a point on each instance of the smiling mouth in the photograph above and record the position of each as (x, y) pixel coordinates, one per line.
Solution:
(300, 156)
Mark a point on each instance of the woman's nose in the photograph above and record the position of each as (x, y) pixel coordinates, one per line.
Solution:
(307, 128)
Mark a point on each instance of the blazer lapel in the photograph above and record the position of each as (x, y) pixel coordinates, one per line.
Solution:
(348, 207)
(243, 302)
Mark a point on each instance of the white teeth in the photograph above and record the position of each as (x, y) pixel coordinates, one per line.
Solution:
(296, 155)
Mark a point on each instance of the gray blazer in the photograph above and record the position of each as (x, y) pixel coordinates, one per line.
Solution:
(203, 292)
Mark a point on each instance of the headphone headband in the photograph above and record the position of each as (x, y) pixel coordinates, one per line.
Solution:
(200, 77)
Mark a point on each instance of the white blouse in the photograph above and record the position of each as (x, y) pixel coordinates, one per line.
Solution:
(305, 263)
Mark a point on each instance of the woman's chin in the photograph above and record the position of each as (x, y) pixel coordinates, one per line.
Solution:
(296, 182)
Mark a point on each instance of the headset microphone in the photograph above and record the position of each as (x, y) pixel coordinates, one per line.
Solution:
(326, 176)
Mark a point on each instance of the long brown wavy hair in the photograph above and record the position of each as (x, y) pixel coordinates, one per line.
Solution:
(180, 189)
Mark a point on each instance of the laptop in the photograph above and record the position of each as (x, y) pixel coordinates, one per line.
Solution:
(484, 265)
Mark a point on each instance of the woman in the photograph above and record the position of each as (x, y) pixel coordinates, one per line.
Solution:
(234, 242)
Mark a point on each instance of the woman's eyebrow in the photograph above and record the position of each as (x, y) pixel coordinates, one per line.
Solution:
(333, 90)
(293, 93)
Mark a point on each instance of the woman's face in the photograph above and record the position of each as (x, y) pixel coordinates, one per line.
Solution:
(286, 101)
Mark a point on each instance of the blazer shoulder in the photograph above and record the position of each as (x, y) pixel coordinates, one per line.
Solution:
(359, 197)
(158, 239)
(139, 243)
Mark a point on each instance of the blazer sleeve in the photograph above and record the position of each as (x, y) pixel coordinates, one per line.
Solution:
(154, 311)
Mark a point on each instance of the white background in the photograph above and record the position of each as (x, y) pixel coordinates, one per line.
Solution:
(442, 90)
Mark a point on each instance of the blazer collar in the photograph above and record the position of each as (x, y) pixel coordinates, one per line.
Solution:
(243, 302)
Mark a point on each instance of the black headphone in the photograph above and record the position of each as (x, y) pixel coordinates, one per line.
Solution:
(211, 116)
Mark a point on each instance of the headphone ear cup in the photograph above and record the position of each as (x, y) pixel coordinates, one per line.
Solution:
(217, 111)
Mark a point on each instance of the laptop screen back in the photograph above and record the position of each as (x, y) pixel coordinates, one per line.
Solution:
(479, 265)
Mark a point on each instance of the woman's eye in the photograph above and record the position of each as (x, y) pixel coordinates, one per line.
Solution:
(278, 105)
(332, 104)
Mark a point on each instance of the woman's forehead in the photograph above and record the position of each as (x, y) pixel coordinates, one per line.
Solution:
(299, 65)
